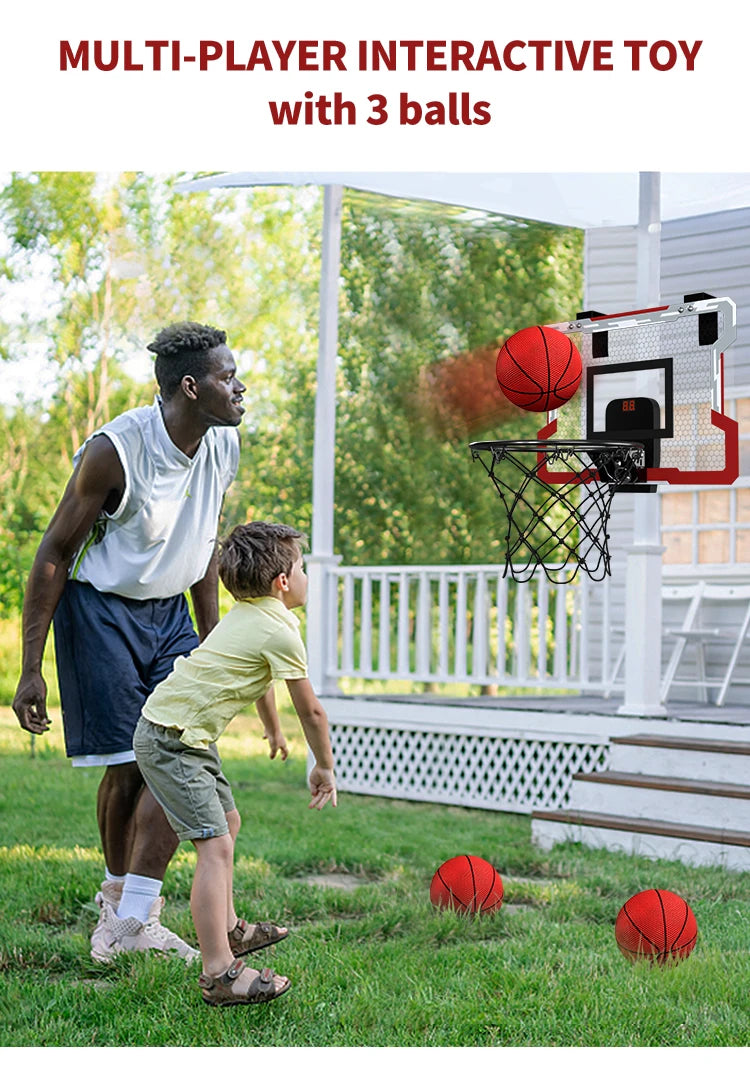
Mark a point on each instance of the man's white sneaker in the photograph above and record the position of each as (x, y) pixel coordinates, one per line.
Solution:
(109, 896)
(118, 935)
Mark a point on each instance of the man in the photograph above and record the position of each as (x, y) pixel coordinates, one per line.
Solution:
(136, 527)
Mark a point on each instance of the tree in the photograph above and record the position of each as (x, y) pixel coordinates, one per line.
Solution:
(425, 289)
(107, 261)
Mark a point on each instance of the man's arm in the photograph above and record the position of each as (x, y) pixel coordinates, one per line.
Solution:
(97, 483)
(205, 595)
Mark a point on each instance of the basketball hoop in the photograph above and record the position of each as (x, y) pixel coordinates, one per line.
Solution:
(558, 527)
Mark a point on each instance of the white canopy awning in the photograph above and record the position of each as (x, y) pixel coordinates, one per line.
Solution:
(584, 200)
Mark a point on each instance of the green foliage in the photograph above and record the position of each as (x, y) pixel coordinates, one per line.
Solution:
(422, 287)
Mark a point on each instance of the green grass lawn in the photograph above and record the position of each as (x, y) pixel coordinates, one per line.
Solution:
(372, 963)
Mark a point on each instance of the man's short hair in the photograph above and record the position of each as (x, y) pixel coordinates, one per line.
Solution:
(253, 554)
(182, 349)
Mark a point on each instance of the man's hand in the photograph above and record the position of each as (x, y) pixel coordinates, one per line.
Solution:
(97, 484)
(322, 787)
(276, 743)
(30, 704)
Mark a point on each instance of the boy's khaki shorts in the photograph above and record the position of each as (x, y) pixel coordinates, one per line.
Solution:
(188, 783)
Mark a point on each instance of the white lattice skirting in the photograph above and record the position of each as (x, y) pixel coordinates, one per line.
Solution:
(505, 774)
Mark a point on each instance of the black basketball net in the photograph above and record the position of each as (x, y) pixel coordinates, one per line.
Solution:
(559, 527)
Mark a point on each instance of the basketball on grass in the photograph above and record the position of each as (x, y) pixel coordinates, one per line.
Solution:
(467, 884)
(656, 925)
(538, 368)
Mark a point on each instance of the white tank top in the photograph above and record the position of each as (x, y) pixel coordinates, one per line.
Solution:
(160, 539)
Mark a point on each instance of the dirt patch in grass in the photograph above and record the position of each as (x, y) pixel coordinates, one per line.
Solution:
(344, 881)
(527, 893)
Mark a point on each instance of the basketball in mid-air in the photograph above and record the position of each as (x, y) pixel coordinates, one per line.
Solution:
(538, 368)
(467, 884)
(656, 925)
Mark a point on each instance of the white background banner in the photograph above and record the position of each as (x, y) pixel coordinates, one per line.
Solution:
(467, 87)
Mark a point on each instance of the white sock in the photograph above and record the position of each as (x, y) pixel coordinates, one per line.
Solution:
(138, 895)
(110, 876)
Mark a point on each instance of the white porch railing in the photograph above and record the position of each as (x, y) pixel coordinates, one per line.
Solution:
(462, 625)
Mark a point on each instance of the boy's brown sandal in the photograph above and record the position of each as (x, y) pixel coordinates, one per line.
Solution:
(245, 937)
(220, 991)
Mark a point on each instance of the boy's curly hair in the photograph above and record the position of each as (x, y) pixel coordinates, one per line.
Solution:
(182, 350)
(253, 554)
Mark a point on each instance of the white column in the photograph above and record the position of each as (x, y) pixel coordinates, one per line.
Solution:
(320, 627)
(643, 608)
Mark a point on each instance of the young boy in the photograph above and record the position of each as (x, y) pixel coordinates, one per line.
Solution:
(257, 642)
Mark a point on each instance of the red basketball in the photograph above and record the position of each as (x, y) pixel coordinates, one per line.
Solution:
(538, 368)
(468, 884)
(656, 925)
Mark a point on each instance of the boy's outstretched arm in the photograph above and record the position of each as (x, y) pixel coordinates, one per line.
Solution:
(314, 722)
(269, 716)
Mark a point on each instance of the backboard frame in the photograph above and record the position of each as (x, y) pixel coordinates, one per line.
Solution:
(723, 310)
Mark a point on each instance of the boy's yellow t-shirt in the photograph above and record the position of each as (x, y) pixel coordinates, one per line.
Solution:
(255, 644)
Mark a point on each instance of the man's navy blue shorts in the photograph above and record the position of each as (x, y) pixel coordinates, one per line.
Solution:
(111, 653)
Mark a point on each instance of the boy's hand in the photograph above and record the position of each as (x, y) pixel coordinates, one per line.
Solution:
(276, 743)
(322, 787)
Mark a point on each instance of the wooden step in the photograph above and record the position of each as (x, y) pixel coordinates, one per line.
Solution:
(664, 782)
(691, 744)
(691, 844)
(709, 759)
(695, 832)
(674, 799)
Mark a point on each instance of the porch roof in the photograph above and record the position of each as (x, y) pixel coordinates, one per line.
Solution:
(583, 200)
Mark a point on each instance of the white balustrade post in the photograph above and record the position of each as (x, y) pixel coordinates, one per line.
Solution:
(365, 625)
(322, 625)
(424, 627)
(480, 629)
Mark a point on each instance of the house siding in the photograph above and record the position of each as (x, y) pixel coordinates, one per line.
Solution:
(706, 254)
